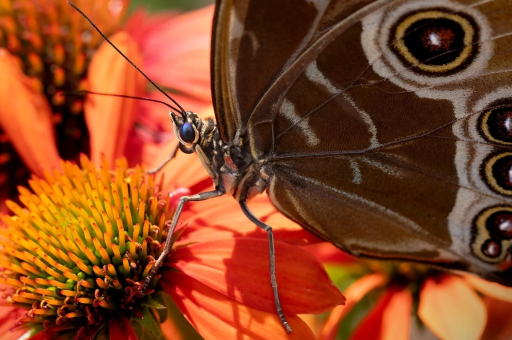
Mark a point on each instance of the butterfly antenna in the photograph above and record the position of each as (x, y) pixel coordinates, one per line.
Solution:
(82, 92)
(182, 111)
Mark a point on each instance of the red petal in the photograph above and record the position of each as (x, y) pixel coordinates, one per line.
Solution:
(121, 328)
(110, 119)
(225, 219)
(239, 268)
(499, 324)
(26, 118)
(215, 316)
(177, 51)
(390, 319)
(185, 171)
(451, 309)
(353, 294)
(328, 253)
(8, 320)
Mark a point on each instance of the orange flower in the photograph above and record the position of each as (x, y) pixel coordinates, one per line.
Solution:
(79, 259)
(448, 304)
(47, 48)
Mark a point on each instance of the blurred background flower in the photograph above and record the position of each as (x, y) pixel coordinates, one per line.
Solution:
(46, 49)
(401, 301)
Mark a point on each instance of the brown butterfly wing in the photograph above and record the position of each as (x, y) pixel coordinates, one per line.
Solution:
(380, 154)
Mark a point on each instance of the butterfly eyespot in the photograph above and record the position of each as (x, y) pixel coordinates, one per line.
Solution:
(499, 224)
(435, 41)
(188, 133)
(493, 234)
(496, 125)
(497, 173)
(491, 249)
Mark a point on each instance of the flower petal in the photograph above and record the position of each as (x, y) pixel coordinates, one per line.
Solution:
(177, 51)
(110, 119)
(8, 320)
(239, 268)
(121, 328)
(499, 316)
(215, 316)
(327, 253)
(353, 294)
(490, 288)
(390, 318)
(222, 217)
(451, 309)
(26, 118)
(184, 171)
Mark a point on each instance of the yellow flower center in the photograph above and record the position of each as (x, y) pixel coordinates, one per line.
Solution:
(82, 245)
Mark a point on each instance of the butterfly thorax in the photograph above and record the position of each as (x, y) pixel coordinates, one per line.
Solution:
(230, 165)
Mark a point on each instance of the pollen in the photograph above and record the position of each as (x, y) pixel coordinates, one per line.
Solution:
(77, 249)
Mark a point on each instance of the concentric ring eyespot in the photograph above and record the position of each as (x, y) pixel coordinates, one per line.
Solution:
(435, 41)
(491, 248)
(496, 125)
(497, 173)
(492, 235)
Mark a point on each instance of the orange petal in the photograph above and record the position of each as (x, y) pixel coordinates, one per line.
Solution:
(451, 309)
(224, 218)
(353, 294)
(110, 119)
(177, 51)
(239, 268)
(490, 288)
(390, 318)
(215, 316)
(26, 118)
(499, 324)
(185, 171)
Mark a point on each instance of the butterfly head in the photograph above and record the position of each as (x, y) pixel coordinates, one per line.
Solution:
(189, 129)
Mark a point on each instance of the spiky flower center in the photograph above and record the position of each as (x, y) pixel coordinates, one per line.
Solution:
(82, 245)
(54, 46)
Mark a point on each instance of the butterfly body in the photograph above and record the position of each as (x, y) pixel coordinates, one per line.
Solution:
(380, 126)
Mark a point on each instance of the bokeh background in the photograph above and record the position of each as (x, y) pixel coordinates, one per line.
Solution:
(158, 5)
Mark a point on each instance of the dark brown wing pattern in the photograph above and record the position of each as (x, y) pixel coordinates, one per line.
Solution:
(386, 125)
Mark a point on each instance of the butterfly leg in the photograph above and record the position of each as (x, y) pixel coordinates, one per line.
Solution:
(198, 197)
(273, 281)
(164, 163)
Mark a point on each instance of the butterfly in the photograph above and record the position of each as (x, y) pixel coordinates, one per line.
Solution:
(384, 127)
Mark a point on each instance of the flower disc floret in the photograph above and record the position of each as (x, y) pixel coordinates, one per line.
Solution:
(77, 251)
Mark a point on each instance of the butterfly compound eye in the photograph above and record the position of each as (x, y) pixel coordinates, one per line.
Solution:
(187, 133)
